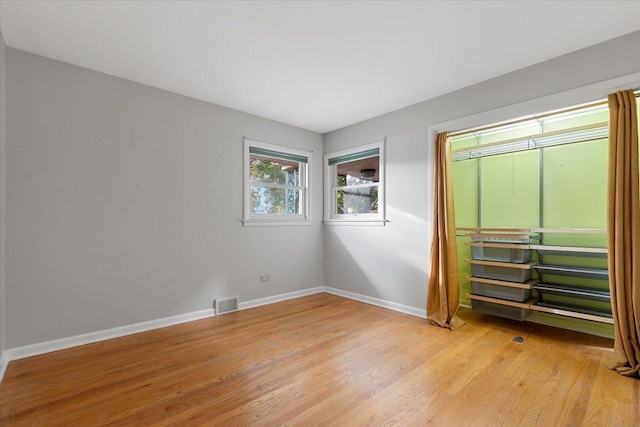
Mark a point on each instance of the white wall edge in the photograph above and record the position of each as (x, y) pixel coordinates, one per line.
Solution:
(281, 297)
(413, 311)
(4, 362)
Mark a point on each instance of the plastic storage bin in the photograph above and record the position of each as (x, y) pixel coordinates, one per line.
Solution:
(503, 238)
(508, 274)
(499, 291)
(506, 311)
(519, 256)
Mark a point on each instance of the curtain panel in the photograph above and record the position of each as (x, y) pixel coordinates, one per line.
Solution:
(443, 296)
(623, 224)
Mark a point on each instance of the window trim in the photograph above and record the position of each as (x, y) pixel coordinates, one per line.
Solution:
(369, 219)
(251, 219)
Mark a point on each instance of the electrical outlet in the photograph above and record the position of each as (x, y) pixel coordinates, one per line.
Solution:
(264, 278)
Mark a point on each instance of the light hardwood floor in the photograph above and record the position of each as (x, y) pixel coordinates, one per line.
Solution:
(323, 360)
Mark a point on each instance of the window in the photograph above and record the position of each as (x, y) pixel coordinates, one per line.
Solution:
(354, 185)
(276, 185)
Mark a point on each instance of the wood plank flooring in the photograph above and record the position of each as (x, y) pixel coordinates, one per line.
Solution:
(323, 360)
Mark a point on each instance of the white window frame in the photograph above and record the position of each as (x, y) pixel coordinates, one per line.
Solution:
(255, 219)
(330, 188)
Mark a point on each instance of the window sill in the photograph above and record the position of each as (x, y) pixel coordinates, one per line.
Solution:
(274, 222)
(357, 222)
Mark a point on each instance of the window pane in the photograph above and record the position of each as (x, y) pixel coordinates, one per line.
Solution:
(357, 200)
(269, 200)
(274, 171)
(357, 172)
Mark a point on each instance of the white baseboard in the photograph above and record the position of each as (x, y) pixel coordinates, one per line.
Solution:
(413, 311)
(92, 337)
(107, 334)
(282, 297)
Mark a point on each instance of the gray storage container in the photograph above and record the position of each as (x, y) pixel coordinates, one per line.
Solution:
(516, 255)
(497, 291)
(503, 238)
(519, 275)
(506, 311)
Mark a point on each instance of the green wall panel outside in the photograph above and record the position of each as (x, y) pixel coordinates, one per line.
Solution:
(575, 191)
(509, 190)
(592, 117)
(465, 196)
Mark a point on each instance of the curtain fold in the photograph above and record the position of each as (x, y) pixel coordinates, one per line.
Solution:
(623, 223)
(443, 295)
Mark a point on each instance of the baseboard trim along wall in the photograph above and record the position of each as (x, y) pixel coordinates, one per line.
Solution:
(282, 297)
(107, 334)
(413, 311)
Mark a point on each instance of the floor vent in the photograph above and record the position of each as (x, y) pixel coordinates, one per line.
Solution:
(226, 305)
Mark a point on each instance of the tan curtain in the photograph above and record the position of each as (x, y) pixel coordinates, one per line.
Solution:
(443, 295)
(623, 222)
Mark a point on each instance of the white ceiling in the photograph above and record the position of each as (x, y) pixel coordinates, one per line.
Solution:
(317, 65)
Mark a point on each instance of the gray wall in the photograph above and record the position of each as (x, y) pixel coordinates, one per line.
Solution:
(124, 204)
(3, 52)
(392, 262)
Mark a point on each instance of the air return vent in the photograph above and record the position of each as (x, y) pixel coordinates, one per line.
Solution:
(226, 305)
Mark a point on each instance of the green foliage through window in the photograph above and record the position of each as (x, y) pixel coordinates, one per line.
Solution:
(355, 200)
(273, 189)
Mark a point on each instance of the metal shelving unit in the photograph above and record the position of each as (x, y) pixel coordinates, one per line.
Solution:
(562, 270)
(490, 293)
(573, 297)
(564, 290)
